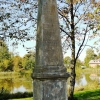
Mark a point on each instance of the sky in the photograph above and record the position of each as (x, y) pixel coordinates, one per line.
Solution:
(83, 53)
(20, 49)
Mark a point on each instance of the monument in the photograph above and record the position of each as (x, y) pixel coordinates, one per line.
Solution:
(49, 75)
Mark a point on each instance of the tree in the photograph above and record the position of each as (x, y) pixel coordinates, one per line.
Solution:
(28, 61)
(17, 62)
(76, 30)
(98, 56)
(18, 24)
(5, 57)
(67, 61)
(4, 52)
(7, 65)
(18, 21)
(79, 63)
(90, 55)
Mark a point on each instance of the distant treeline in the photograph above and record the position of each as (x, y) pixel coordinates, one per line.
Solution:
(9, 62)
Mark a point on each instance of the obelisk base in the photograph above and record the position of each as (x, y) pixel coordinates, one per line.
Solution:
(50, 89)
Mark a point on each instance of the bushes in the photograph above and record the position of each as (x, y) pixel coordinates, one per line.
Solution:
(6, 96)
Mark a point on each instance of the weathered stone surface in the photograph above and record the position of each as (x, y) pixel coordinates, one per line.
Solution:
(49, 51)
(49, 74)
(50, 90)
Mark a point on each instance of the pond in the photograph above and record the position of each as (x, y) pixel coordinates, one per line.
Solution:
(24, 83)
(88, 78)
(13, 84)
(81, 82)
(84, 80)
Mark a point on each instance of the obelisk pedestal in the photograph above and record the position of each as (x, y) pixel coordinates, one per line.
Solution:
(49, 74)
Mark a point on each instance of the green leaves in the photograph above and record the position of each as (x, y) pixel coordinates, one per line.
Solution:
(90, 55)
(9, 62)
(5, 57)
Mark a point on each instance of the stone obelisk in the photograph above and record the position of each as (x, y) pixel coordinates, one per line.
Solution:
(49, 74)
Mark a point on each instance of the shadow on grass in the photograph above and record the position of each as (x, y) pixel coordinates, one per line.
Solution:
(6, 96)
(88, 95)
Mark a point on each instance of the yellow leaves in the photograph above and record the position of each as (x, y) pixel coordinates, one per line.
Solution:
(90, 15)
(6, 63)
(97, 10)
(98, 27)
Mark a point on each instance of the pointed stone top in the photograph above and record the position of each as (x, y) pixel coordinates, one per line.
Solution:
(49, 57)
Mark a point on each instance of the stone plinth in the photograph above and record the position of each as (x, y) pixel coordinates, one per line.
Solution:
(50, 90)
(49, 74)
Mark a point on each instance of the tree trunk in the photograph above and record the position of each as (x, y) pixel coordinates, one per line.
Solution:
(73, 62)
(73, 74)
(72, 83)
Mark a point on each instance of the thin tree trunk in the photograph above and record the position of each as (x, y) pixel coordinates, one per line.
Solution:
(73, 62)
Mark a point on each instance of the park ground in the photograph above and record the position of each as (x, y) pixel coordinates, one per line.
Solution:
(90, 92)
(83, 95)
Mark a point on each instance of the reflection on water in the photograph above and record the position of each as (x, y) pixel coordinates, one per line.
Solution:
(19, 84)
(24, 83)
(20, 89)
(95, 77)
(81, 82)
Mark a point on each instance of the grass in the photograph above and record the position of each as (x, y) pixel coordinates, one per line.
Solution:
(16, 74)
(81, 95)
(23, 99)
(84, 95)
(88, 95)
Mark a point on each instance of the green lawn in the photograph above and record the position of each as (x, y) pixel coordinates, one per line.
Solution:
(23, 99)
(84, 95)
(88, 95)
